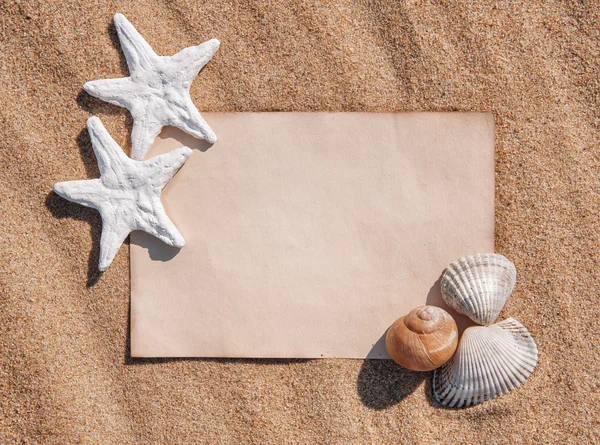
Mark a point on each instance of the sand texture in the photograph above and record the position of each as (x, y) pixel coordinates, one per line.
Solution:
(65, 371)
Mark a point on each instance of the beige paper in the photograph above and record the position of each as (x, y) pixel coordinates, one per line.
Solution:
(308, 234)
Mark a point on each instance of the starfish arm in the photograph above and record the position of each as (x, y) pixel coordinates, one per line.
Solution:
(118, 92)
(139, 55)
(191, 60)
(158, 224)
(145, 130)
(110, 156)
(87, 192)
(189, 119)
(114, 232)
(164, 167)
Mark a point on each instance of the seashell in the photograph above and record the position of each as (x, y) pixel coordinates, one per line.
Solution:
(479, 285)
(489, 361)
(422, 340)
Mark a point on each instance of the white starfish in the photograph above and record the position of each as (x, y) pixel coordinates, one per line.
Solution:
(157, 92)
(127, 194)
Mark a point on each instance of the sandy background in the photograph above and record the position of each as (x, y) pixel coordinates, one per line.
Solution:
(65, 371)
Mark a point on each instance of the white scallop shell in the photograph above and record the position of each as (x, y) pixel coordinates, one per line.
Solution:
(479, 285)
(489, 361)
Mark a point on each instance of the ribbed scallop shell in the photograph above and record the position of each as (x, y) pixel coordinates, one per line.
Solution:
(489, 361)
(479, 285)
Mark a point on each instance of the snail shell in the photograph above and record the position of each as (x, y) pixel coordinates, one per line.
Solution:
(479, 285)
(422, 340)
(489, 361)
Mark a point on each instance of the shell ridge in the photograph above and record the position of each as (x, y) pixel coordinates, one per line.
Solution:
(502, 357)
(489, 283)
(487, 367)
(474, 274)
(510, 379)
(480, 310)
(458, 289)
(489, 389)
(441, 396)
(489, 362)
(470, 368)
(525, 348)
(511, 357)
(494, 282)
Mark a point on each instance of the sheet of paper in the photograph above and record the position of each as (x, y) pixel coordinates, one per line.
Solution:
(308, 234)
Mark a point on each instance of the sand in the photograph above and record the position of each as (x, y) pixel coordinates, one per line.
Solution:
(65, 371)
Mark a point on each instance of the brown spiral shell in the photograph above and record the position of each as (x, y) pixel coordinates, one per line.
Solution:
(422, 340)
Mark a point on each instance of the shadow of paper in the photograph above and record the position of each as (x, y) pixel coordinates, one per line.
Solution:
(139, 361)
